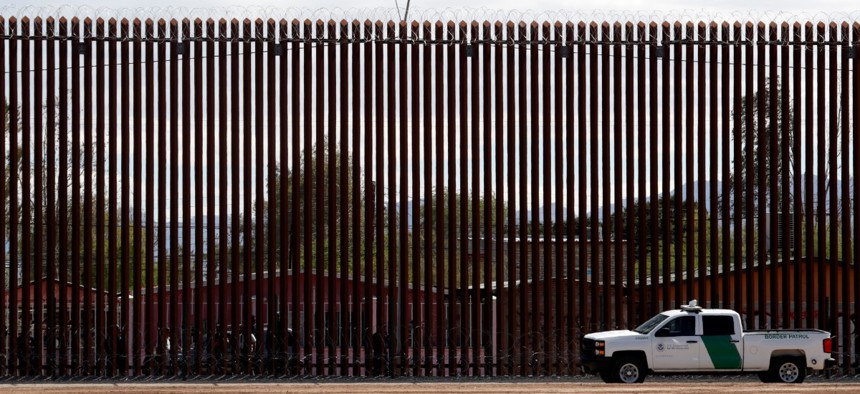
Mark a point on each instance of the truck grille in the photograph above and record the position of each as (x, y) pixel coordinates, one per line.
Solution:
(587, 348)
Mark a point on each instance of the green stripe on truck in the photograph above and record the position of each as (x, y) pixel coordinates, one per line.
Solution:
(723, 353)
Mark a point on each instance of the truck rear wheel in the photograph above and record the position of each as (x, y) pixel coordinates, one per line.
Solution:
(787, 370)
(629, 369)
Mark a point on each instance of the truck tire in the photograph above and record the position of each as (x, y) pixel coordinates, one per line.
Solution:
(787, 370)
(628, 369)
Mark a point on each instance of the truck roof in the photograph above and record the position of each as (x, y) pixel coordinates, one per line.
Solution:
(675, 312)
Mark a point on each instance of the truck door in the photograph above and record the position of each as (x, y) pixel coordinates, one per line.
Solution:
(721, 343)
(675, 345)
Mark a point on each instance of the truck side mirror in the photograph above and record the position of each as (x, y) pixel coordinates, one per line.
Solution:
(662, 332)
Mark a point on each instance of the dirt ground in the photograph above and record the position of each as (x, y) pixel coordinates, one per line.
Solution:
(688, 386)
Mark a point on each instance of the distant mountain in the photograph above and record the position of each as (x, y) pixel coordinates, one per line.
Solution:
(709, 188)
(558, 211)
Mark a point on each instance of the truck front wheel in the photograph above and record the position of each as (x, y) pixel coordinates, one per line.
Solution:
(787, 370)
(628, 369)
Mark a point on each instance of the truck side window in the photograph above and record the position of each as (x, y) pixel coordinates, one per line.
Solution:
(684, 326)
(718, 325)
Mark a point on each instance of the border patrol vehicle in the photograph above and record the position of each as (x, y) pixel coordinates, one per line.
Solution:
(697, 340)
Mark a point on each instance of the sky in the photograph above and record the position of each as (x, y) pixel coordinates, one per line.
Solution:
(669, 7)
(784, 5)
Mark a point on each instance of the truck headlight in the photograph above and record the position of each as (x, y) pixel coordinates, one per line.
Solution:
(600, 348)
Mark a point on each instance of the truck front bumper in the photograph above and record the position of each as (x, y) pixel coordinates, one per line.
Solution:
(595, 365)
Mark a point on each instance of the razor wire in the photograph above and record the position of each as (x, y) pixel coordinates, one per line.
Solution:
(535, 353)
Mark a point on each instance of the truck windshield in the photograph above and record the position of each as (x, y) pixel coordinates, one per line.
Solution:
(649, 325)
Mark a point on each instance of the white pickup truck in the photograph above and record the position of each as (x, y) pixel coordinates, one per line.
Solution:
(697, 340)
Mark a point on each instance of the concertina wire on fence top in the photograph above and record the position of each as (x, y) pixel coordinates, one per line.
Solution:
(295, 198)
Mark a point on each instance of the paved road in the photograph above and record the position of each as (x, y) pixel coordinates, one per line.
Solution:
(655, 386)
